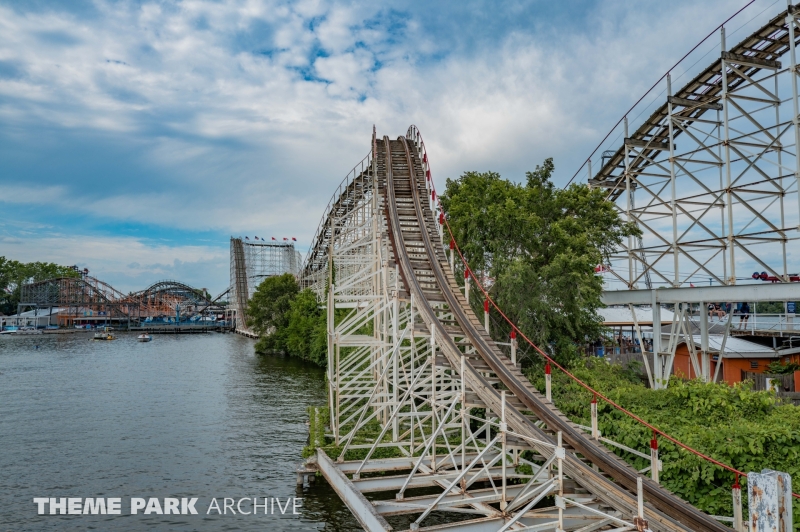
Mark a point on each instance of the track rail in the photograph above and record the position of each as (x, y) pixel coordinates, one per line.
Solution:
(765, 46)
(614, 485)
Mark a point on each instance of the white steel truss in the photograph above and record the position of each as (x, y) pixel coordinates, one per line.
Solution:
(711, 179)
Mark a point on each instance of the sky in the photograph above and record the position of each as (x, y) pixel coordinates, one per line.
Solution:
(137, 137)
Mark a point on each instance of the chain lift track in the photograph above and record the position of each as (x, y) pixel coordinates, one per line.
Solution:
(409, 363)
(420, 393)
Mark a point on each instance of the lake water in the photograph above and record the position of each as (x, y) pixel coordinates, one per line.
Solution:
(181, 416)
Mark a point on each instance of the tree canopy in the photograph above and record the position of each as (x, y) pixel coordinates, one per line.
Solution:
(268, 310)
(539, 246)
(288, 320)
(13, 274)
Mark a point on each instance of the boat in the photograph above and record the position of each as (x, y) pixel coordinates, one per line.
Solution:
(144, 338)
(103, 336)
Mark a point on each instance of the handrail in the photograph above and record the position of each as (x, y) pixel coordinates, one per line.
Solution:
(316, 240)
(596, 393)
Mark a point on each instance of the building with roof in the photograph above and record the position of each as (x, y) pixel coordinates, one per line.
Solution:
(727, 358)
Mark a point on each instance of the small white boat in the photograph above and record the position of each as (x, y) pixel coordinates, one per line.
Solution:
(144, 338)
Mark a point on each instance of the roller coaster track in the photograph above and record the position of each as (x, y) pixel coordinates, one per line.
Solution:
(759, 51)
(90, 293)
(421, 397)
(239, 286)
(711, 177)
(423, 368)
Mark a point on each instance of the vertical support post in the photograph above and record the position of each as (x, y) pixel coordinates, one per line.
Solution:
(548, 385)
(595, 431)
(726, 142)
(705, 356)
(464, 422)
(452, 253)
(628, 206)
(333, 370)
(654, 457)
(639, 498)
(674, 201)
(513, 347)
(769, 495)
(738, 524)
(658, 367)
(790, 19)
(486, 315)
(503, 429)
(412, 357)
(560, 454)
(395, 360)
(780, 181)
(433, 398)
(466, 285)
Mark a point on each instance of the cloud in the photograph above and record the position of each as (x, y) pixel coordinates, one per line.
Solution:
(243, 116)
(129, 263)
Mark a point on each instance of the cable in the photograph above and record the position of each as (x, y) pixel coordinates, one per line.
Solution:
(588, 388)
(654, 86)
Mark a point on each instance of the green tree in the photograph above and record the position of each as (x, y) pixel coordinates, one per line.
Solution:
(306, 331)
(14, 274)
(268, 311)
(769, 307)
(540, 245)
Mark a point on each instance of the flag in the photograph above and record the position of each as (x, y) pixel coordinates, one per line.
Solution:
(691, 285)
(273, 238)
(294, 239)
(285, 239)
(247, 238)
(256, 238)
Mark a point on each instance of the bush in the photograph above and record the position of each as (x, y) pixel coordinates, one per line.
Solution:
(735, 425)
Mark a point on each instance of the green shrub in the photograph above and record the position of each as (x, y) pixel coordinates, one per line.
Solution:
(735, 425)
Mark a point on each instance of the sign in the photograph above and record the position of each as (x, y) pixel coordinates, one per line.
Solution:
(790, 307)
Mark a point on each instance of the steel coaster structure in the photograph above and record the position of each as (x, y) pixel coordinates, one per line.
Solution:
(252, 261)
(78, 295)
(711, 178)
(413, 374)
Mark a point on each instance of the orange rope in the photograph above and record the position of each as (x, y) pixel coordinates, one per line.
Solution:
(627, 412)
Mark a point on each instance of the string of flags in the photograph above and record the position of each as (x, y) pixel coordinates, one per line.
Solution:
(273, 238)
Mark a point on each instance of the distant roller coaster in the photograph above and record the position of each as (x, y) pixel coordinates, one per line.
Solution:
(252, 261)
(87, 296)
